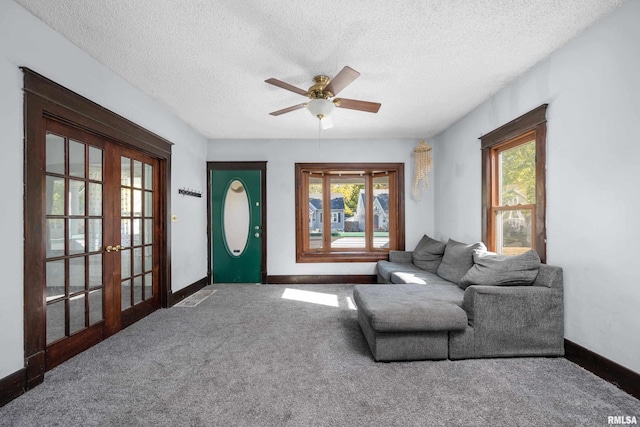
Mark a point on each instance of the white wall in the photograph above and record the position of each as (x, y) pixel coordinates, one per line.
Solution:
(26, 41)
(281, 157)
(593, 172)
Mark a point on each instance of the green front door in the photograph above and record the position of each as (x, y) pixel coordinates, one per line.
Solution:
(236, 228)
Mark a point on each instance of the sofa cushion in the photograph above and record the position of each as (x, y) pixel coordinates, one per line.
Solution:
(502, 270)
(428, 254)
(394, 308)
(419, 277)
(457, 260)
(385, 268)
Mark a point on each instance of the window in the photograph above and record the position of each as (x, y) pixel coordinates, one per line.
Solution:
(513, 181)
(364, 206)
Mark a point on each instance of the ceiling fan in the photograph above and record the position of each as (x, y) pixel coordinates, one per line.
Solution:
(322, 96)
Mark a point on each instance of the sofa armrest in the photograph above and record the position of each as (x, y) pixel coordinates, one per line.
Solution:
(401, 256)
(515, 320)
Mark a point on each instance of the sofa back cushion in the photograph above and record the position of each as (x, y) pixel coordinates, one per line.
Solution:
(457, 260)
(502, 270)
(428, 254)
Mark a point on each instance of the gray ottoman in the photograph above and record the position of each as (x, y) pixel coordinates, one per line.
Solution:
(400, 322)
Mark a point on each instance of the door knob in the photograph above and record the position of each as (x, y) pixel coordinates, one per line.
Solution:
(115, 248)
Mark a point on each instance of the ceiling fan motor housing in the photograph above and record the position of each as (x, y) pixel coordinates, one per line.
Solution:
(317, 91)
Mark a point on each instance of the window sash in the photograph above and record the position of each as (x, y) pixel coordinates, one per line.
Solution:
(306, 252)
(528, 127)
(502, 247)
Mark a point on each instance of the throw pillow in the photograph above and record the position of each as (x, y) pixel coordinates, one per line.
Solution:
(428, 254)
(457, 260)
(502, 270)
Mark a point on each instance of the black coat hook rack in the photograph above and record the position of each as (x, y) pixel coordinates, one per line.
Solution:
(187, 192)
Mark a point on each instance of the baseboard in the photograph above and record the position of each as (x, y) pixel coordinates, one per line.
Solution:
(176, 297)
(606, 369)
(13, 386)
(321, 279)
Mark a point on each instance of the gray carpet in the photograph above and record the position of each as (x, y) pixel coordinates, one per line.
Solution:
(246, 356)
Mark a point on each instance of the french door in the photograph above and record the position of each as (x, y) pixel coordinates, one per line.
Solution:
(101, 256)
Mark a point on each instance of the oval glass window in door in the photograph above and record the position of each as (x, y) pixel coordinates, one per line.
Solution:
(236, 218)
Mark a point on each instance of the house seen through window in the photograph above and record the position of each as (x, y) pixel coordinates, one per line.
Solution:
(352, 211)
(514, 186)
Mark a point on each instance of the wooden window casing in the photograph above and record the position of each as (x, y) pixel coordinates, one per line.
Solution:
(528, 127)
(368, 172)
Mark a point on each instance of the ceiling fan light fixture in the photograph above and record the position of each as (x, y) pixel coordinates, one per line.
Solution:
(320, 108)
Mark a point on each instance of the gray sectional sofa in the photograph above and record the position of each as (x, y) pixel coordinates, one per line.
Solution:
(454, 300)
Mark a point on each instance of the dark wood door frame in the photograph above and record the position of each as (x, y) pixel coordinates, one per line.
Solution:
(45, 99)
(262, 167)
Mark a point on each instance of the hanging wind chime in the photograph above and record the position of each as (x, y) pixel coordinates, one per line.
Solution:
(423, 162)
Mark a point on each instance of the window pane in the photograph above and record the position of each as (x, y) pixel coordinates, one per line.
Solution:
(76, 313)
(76, 275)
(55, 195)
(95, 270)
(95, 164)
(148, 204)
(125, 171)
(348, 212)
(513, 231)
(55, 279)
(55, 154)
(137, 261)
(137, 289)
(148, 231)
(381, 211)
(148, 258)
(125, 232)
(125, 202)
(76, 159)
(76, 197)
(125, 262)
(95, 199)
(55, 321)
(148, 285)
(94, 239)
(137, 174)
(95, 306)
(137, 232)
(518, 175)
(315, 213)
(55, 237)
(126, 294)
(137, 203)
(148, 177)
(76, 236)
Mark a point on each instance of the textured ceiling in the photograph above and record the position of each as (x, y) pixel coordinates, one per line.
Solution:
(429, 62)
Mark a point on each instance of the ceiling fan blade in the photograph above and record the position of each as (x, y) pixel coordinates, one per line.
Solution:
(342, 80)
(286, 86)
(354, 104)
(288, 109)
